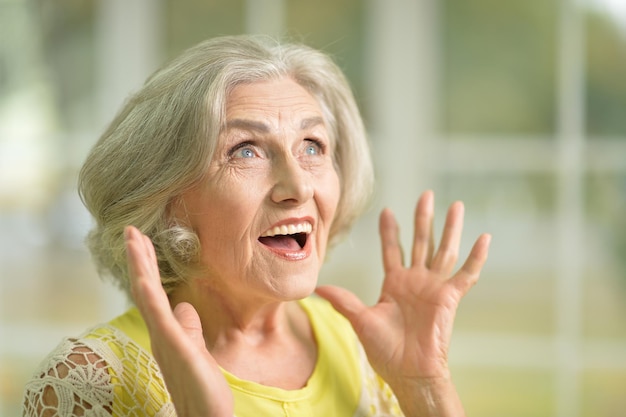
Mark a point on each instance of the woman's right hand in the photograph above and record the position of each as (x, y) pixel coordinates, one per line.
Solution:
(192, 377)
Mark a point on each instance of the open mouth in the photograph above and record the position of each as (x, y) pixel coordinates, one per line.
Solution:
(291, 237)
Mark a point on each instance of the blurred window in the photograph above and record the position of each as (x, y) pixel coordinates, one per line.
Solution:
(517, 108)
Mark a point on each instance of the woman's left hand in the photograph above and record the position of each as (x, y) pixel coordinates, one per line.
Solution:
(406, 335)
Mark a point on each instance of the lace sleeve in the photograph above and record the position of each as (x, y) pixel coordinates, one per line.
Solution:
(72, 381)
(102, 374)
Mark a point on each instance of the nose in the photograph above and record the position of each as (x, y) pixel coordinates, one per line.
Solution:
(292, 183)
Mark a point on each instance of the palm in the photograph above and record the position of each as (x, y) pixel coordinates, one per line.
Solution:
(407, 333)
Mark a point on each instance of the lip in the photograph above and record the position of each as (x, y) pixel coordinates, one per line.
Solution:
(293, 255)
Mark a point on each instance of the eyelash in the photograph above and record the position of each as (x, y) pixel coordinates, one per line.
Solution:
(238, 147)
(321, 147)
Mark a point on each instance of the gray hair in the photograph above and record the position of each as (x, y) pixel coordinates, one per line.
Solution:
(161, 141)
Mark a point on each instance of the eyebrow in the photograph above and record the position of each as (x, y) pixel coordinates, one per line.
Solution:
(311, 122)
(246, 124)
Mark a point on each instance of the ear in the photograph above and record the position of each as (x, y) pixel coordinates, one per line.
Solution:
(176, 213)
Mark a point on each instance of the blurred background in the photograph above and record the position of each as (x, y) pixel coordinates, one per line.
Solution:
(516, 107)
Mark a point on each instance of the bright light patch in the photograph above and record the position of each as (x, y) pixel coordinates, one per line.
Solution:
(616, 9)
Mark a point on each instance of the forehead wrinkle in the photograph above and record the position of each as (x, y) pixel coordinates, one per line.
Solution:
(257, 126)
(246, 124)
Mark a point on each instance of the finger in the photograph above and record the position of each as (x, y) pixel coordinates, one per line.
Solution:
(138, 256)
(469, 273)
(150, 252)
(146, 287)
(423, 241)
(390, 241)
(344, 301)
(431, 243)
(189, 320)
(448, 252)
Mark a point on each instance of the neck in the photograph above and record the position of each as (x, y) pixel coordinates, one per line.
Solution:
(228, 319)
(255, 339)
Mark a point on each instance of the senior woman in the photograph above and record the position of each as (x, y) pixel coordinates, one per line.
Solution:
(216, 192)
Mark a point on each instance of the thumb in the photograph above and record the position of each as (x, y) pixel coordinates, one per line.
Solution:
(344, 301)
(189, 320)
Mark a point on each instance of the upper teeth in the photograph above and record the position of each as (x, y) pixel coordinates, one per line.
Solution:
(289, 229)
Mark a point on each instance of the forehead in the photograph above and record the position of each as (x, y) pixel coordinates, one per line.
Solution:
(283, 99)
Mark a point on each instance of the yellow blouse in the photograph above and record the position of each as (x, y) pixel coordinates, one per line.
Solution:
(110, 371)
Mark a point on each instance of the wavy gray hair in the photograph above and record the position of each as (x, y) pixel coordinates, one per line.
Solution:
(161, 141)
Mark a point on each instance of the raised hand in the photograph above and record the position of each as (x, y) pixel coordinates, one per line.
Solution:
(193, 378)
(406, 335)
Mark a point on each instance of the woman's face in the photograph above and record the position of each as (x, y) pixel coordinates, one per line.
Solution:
(265, 207)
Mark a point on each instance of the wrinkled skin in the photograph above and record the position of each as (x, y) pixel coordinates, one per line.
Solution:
(406, 334)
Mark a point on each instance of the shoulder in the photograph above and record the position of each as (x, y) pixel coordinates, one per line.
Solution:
(102, 371)
(329, 326)
(345, 353)
(319, 309)
(72, 379)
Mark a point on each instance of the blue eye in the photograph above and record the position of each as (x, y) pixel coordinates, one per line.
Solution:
(243, 150)
(246, 153)
(313, 148)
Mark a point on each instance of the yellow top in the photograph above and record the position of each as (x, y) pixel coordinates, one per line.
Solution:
(110, 370)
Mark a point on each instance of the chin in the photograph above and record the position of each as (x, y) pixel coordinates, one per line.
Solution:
(296, 290)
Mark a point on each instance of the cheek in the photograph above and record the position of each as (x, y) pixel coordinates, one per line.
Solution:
(224, 216)
(230, 207)
(331, 192)
(222, 231)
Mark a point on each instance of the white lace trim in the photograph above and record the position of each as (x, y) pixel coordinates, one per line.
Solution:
(85, 377)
